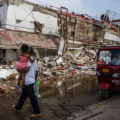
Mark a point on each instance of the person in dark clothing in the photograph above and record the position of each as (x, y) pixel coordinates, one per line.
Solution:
(28, 89)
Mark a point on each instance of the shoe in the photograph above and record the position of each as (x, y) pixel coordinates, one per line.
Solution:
(13, 106)
(35, 115)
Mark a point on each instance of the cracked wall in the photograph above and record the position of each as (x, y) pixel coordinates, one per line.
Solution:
(21, 16)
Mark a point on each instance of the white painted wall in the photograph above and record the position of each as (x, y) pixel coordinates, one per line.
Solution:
(24, 13)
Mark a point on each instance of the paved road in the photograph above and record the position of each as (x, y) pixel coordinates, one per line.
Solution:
(73, 108)
(105, 110)
(52, 108)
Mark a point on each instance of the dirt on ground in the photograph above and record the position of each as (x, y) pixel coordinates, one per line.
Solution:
(52, 108)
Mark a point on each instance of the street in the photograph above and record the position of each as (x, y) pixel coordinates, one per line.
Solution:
(83, 107)
(105, 110)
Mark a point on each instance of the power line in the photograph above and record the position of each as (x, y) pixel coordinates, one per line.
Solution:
(27, 12)
(27, 15)
(49, 5)
(45, 4)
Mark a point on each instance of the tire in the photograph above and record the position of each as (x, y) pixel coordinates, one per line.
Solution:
(105, 94)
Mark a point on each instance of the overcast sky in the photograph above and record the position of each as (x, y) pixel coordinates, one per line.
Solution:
(93, 8)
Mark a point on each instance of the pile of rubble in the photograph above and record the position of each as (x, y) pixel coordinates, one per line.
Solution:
(67, 72)
(8, 76)
(77, 63)
(82, 63)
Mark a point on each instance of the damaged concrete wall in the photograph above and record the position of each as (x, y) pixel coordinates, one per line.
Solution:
(11, 55)
(3, 13)
(2, 56)
(84, 33)
(111, 37)
(44, 52)
(21, 16)
(12, 2)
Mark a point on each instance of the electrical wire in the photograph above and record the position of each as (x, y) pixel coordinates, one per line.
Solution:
(30, 12)
(45, 4)
(57, 8)
(22, 20)
(18, 12)
(27, 12)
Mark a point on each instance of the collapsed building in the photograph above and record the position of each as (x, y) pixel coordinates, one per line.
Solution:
(65, 43)
(39, 26)
(23, 22)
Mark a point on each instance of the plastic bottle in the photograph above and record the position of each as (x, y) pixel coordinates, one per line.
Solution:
(20, 90)
(37, 94)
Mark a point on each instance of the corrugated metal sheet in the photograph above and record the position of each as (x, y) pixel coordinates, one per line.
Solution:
(12, 38)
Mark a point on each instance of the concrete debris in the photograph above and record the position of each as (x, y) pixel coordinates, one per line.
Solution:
(51, 64)
(47, 72)
(7, 72)
(4, 90)
(45, 59)
(68, 64)
(56, 68)
(59, 60)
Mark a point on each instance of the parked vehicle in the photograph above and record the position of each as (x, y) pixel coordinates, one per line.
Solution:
(108, 70)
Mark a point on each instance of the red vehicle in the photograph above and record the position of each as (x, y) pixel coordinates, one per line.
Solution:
(108, 70)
